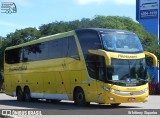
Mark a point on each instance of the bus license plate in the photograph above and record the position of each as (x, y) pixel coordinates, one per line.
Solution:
(131, 99)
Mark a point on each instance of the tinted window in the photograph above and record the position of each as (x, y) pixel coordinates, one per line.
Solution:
(72, 47)
(43, 51)
(13, 56)
(64, 47)
(89, 40)
(58, 48)
(35, 52)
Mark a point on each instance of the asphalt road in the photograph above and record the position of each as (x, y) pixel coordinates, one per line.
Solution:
(68, 107)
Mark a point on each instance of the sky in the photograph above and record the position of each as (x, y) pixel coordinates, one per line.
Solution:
(34, 13)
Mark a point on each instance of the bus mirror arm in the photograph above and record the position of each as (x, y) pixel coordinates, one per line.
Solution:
(155, 60)
(103, 53)
(75, 57)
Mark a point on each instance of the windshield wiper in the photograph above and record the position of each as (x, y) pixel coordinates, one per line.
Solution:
(143, 80)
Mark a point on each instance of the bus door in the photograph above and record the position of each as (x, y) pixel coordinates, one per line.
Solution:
(91, 64)
(96, 71)
(100, 80)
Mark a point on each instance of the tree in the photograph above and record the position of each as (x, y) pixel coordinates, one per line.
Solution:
(22, 36)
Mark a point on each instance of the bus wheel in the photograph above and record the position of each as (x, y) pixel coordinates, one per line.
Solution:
(19, 94)
(27, 96)
(79, 97)
(115, 105)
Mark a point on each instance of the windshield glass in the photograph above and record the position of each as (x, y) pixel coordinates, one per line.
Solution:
(127, 72)
(121, 42)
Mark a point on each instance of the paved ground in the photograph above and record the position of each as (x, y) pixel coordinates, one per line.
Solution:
(68, 108)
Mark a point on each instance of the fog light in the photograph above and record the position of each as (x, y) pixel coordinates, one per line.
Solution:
(111, 99)
(146, 99)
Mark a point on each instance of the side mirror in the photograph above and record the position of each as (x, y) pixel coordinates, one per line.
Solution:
(102, 53)
(155, 60)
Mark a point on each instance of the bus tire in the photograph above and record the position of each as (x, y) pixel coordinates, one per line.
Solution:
(79, 97)
(34, 99)
(19, 94)
(27, 95)
(115, 104)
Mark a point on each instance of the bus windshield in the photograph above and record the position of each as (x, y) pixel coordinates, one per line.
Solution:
(121, 42)
(127, 72)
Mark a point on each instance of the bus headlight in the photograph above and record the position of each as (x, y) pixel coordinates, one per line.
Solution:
(145, 90)
(106, 88)
(109, 89)
(111, 99)
(112, 90)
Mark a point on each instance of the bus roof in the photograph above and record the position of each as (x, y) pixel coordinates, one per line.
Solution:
(61, 35)
(42, 39)
(103, 30)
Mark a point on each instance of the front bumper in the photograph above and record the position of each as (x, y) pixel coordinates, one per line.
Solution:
(112, 98)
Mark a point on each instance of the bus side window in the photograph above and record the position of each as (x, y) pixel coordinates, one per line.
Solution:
(43, 51)
(55, 49)
(13, 56)
(90, 40)
(34, 52)
(72, 48)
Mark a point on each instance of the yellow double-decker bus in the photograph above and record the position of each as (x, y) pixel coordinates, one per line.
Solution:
(85, 65)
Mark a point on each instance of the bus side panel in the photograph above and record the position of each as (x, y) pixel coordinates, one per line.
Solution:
(50, 82)
(42, 77)
(34, 81)
(89, 87)
(8, 85)
(92, 91)
(73, 76)
(12, 78)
